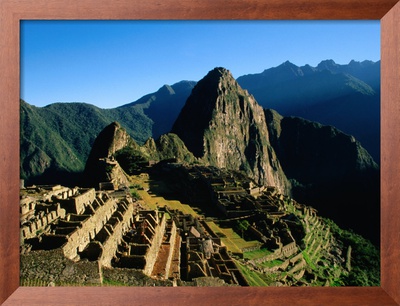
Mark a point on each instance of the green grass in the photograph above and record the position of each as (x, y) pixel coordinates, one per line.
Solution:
(110, 282)
(253, 278)
(231, 239)
(272, 263)
(308, 260)
(135, 193)
(257, 254)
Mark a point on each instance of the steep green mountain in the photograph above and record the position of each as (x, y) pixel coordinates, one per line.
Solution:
(329, 170)
(345, 96)
(163, 106)
(56, 139)
(225, 127)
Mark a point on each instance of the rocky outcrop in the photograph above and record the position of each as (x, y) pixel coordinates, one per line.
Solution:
(101, 166)
(224, 126)
(115, 154)
(168, 146)
(111, 139)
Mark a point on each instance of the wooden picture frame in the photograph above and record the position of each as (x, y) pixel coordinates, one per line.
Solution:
(12, 11)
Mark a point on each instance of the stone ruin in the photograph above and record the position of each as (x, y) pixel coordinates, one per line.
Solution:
(93, 227)
(109, 230)
(292, 232)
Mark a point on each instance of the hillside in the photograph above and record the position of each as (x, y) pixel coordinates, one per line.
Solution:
(344, 96)
(57, 138)
(163, 106)
(329, 170)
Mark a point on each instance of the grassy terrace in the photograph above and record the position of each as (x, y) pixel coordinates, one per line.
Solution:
(152, 200)
(254, 278)
(257, 254)
(233, 242)
(231, 239)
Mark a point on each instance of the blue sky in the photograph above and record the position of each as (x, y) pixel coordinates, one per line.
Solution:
(111, 63)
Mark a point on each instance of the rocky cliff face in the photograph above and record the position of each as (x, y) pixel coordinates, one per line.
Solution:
(100, 166)
(111, 139)
(224, 126)
(167, 146)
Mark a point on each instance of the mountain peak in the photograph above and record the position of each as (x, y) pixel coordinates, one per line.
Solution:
(288, 63)
(217, 73)
(225, 127)
(166, 90)
(111, 139)
(219, 70)
(327, 64)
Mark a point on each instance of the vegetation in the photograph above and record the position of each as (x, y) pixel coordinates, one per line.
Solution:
(365, 259)
(241, 226)
(130, 159)
(253, 278)
(60, 136)
(257, 254)
(135, 194)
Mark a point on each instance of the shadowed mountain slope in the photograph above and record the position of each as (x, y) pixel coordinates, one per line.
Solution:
(163, 106)
(329, 170)
(345, 96)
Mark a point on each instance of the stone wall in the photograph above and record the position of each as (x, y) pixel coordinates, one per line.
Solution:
(77, 203)
(52, 268)
(27, 207)
(119, 228)
(79, 238)
(42, 220)
(152, 252)
(171, 232)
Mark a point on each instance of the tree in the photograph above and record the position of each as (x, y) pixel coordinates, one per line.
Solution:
(242, 226)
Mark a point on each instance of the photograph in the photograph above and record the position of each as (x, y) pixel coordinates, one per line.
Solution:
(199, 152)
(192, 153)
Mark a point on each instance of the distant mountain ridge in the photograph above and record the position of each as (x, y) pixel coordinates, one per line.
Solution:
(163, 106)
(58, 138)
(344, 96)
